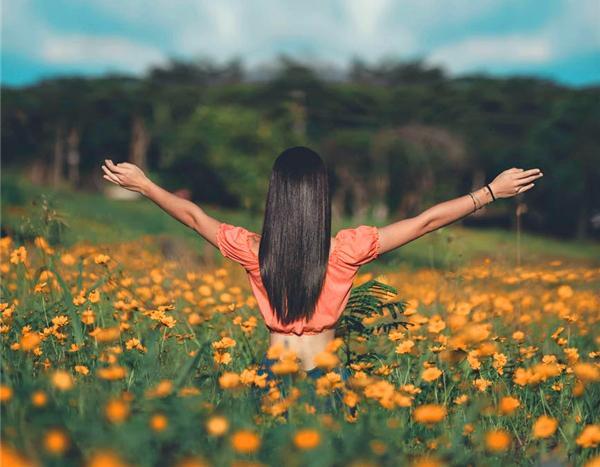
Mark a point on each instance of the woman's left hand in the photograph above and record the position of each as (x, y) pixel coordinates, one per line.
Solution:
(127, 175)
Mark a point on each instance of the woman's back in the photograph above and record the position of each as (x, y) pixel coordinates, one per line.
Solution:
(352, 248)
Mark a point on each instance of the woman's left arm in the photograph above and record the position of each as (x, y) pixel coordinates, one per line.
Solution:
(131, 177)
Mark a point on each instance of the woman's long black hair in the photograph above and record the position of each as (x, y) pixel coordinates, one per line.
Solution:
(296, 234)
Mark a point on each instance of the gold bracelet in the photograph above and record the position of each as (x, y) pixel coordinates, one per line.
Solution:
(478, 201)
(474, 203)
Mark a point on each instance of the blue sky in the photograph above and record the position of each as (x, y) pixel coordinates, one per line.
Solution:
(557, 39)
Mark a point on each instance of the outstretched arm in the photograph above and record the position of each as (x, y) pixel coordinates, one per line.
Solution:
(131, 177)
(509, 183)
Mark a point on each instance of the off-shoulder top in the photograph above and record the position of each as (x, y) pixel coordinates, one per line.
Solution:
(353, 248)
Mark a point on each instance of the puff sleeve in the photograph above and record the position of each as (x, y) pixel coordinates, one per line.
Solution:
(357, 246)
(234, 243)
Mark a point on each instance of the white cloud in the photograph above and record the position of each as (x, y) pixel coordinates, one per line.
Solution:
(479, 52)
(313, 30)
(99, 51)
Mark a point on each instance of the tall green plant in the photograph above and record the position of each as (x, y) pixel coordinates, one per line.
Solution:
(366, 299)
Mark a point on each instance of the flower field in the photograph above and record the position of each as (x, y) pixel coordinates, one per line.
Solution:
(113, 355)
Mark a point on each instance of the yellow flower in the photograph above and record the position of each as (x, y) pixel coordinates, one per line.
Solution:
(544, 427)
(62, 380)
(497, 440)
(42, 244)
(159, 422)
(19, 255)
(39, 398)
(111, 373)
(84, 370)
(106, 334)
(427, 461)
(245, 441)
(30, 341)
(326, 360)
(101, 259)
(564, 292)
(429, 414)
(117, 410)
(589, 437)
(307, 439)
(462, 399)
(436, 324)
(67, 259)
(593, 462)
(482, 384)
(224, 343)
(518, 335)
(404, 347)
(217, 425)
(94, 296)
(6, 393)
(162, 389)
(587, 372)
(431, 374)
(229, 380)
(105, 458)
(285, 367)
(508, 405)
(56, 441)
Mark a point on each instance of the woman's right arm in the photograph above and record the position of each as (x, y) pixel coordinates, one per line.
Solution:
(509, 183)
(131, 177)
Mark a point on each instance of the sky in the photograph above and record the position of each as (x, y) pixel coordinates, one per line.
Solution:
(556, 39)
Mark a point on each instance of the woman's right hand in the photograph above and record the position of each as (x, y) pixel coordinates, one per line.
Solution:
(127, 175)
(514, 181)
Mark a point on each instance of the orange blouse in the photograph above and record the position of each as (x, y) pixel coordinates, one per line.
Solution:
(353, 248)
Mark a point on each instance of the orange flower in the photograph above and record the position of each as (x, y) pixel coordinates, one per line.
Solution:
(427, 461)
(56, 441)
(404, 347)
(508, 405)
(30, 341)
(587, 372)
(62, 380)
(482, 384)
(13, 458)
(350, 398)
(217, 425)
(111, 373)
(429, 414)
(162, 389)
(101, 259)
(245, 441)
(94, 296)
(229, 380)
(105, 459)
(589, 437)
(307, 439)
(6, 393)
(106, 334)
(19, 255)
(431, 374)
(544, 427)
(82, 369)
(117, 410)
(497, 440)
(326, 360)
(195, 461)
(159, 422)
(39, 398)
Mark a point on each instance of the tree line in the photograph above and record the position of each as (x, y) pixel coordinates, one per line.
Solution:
(396, 136)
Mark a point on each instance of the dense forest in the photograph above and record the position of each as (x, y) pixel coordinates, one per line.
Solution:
(396, 136)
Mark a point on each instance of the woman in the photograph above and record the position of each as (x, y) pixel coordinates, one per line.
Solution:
(299, 274)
